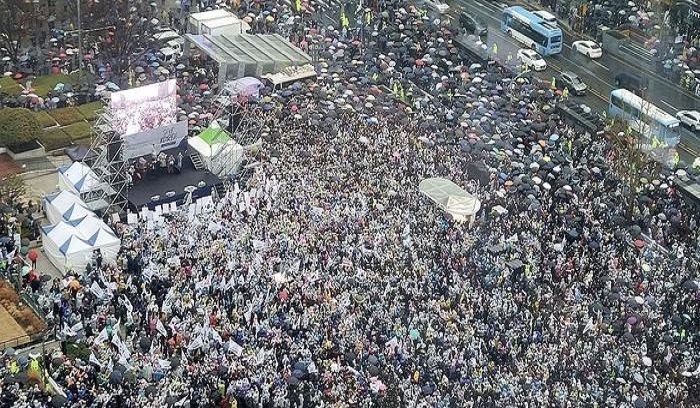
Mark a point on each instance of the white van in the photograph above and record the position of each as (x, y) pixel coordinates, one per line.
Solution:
(546, 16)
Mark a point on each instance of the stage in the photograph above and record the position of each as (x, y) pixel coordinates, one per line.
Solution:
(166, 188)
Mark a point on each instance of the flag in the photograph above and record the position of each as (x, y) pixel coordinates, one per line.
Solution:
(235, 348)
(195, 344)
(161, 329)
(94, 360)
(97, 290)
(102, 337)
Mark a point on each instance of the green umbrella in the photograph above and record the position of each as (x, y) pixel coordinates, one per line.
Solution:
(24, 250)
(414, 334)
(25, 270)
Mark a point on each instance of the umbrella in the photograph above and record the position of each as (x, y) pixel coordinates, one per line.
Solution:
(640, 402)
(293, 381)
(373, 360)
(116, 377)
(58, 401)
(373, 371)
(145, 343)
(414, 334)
(32, 255)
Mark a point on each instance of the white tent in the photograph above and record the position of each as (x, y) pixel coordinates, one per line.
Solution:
(77, 178)
(58, 204)
(451, 198)
(69, 244)
(220, 154)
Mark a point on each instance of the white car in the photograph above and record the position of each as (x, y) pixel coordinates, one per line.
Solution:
(690, 119)
(437, 5)
(588, 48)
(532, 59)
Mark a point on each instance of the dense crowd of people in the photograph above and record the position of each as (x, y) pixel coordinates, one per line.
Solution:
(327, 280)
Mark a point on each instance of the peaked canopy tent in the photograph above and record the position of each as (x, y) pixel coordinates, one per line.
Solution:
(77, 178)
(69, 244)
(220, 154)
(451, 198)
(248, 54)
(63, 204)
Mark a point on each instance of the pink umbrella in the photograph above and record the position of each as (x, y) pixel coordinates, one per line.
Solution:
(203, 87)
(283, 294)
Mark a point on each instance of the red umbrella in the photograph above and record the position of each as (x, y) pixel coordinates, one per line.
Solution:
(283, 294)
(639, 243)
(32, 255)
(203, 87)
(419, 62)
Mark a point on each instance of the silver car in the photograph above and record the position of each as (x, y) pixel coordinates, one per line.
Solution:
(573, 83)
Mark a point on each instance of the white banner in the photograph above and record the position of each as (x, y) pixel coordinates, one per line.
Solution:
(164, 137)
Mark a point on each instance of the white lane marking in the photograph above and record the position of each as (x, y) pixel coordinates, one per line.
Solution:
(567, 46)
(600, 65)
(669, 105)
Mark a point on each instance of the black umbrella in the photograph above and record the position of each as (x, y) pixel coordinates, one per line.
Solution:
(58, 401)
(145, 343)
(373, 370)
(293, 381)
(640, 402)
(116, 377)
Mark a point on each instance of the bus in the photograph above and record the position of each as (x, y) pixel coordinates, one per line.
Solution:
(644, 117)
(531, 30)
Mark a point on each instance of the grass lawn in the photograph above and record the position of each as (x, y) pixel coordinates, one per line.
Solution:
(44, 84)
(66, 116)
(55, 138)
(45, 120)
(80, 130)
(10, 87)
(89, 110)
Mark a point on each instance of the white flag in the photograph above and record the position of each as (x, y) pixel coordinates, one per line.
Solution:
(195, 344)
(94, 360)
(97, 290)
(235, 348)
(102, 337)
(161, 328)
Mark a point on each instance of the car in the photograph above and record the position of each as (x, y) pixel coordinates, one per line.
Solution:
(546, 16)
(631, 82)
(591, 49)
(472, 24)
(532, 59)
(573, 83)
(437, 5)
(690, 118)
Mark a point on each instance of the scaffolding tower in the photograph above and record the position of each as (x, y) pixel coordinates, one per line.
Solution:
(107, 161)
(245, 125)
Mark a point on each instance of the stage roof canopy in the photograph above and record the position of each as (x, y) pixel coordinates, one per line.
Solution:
(450, 197)
(270, 49)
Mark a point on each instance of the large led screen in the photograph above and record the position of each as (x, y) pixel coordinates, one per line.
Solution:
(144, 108)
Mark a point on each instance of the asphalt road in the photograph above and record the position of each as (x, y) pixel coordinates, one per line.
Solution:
(597, 74)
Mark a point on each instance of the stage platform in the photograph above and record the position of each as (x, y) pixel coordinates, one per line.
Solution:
(167, 188)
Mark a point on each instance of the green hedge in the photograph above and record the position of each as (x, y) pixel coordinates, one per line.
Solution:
(66, 116)
(45, 120)
(9, 87)
(18, 127)
(55, 138)
(89, 110)
(80, 130)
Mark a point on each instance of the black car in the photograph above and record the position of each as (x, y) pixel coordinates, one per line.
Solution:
(631, 82)
(472, 24)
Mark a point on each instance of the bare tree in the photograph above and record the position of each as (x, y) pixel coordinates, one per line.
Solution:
(631, 159)
(121, 29)
(12, 188)
(16, 17)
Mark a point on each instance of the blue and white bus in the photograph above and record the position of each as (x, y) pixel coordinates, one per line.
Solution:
(644, 117)
(531, 30)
